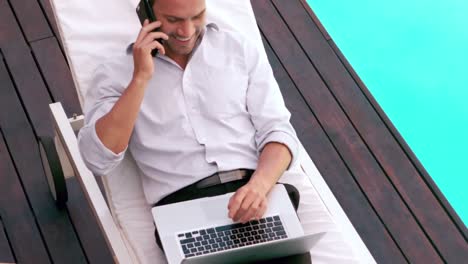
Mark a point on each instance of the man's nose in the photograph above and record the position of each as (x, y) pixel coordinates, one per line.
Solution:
(187, 29)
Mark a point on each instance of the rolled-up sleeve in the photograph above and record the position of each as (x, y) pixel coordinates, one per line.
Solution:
(266, 105)
(99, 101)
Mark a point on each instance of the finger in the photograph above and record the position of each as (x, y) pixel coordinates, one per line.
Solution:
(145, 49)
(151, 26)
(244, 208)
(252, 210)
(235, 202)
(140, 34)
(153, 36)
(159, 46)
(261, 212)
(147, 28)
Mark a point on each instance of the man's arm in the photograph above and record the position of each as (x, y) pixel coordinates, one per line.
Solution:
(250, 200)
(113, 109)
(275, 137)
(115, 128)
(273, 162)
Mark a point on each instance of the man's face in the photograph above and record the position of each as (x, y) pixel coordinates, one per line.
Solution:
(182, 21)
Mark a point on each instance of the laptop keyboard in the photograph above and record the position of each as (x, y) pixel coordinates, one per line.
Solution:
(204, 241)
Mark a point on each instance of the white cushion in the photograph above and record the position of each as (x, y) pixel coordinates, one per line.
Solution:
(94, 30)
(125, 193)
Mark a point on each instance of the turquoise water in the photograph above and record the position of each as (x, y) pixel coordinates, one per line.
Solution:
(413, 57)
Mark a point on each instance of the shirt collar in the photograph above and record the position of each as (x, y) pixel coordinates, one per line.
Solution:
(212, 25)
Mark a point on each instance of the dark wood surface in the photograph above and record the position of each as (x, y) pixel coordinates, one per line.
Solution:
(55, 225)
(33, 23)
(18, 219)
(339, 177)
(399, 169)
(32, 70)
(377, 145)
(322, 102)
(386, 193)
(6, 255)
(52, 64)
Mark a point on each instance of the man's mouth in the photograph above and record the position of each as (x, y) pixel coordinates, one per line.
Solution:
(183, 40)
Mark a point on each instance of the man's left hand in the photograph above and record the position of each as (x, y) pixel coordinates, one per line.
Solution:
(249, 202)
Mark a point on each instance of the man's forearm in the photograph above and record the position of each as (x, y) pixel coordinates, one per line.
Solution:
(115, 128)
(274, 160)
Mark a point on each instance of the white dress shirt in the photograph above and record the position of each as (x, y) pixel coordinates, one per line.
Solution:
(216, 115)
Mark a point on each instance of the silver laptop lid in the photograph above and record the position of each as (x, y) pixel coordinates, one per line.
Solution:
(204, 213)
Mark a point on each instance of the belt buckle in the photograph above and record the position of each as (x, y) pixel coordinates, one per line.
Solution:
(229, 176)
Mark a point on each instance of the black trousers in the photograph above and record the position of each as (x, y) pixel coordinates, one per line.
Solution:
(190, 193)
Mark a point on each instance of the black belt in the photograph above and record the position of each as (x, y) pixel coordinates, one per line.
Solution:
(223, 177)
(212, 180)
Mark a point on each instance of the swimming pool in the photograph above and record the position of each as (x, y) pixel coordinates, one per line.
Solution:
(412, 56)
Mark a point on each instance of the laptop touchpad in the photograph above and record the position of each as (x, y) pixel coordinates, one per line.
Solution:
(215, 208)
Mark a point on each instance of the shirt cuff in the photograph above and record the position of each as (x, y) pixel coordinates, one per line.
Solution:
(105, 151)
(286, 139)
(101, 159)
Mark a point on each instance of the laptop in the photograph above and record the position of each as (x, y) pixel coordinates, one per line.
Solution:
(200, 231)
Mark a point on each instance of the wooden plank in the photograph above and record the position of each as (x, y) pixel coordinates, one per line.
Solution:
(88, 230)
(30, 87)
(25, 74)
(406, 148)
(373, 181)
(24, 236)
(339, 178)
(47, 8)
(54, 224)
(90, 187)
(36, 98)
(315, 19)
(57, 75)
(32, 20)
(428, 212)
(9, 31)
(6, 255)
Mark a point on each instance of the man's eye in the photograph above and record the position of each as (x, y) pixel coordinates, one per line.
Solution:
(199, 16)
(173, 20)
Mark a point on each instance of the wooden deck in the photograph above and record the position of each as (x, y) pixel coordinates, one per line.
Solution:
(391, 200)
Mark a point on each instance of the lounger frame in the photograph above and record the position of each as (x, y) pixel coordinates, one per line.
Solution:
(66, 142)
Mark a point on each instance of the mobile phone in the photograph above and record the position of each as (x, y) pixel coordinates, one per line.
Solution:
(144, 11)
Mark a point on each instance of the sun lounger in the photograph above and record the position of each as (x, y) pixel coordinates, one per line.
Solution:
(92, 31)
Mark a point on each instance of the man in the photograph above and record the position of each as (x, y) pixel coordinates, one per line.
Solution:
(207, 103)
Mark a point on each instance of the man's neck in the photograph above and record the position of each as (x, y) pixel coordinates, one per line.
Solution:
(181, 60)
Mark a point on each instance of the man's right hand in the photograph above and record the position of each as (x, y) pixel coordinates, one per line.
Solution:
(145, 43)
